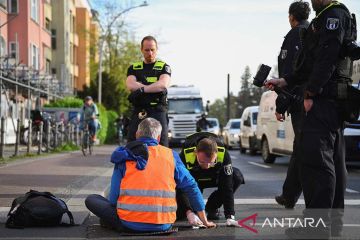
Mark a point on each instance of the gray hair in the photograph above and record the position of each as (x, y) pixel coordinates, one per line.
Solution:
(149, 127)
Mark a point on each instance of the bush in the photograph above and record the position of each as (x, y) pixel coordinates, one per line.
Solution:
(104, 123)
(67, 102)
(111, 130)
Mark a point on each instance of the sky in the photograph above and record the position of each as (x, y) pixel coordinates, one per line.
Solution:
(204, 40)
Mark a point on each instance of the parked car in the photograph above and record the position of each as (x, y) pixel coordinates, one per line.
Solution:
(231, 133)
(248, 130)
(215, 126)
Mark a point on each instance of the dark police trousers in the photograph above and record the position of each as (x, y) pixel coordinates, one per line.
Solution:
(292, 186)
(161, 116)
(215, 199)
(322, 149)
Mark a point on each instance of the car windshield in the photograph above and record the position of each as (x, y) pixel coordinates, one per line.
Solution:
(213, 123)
(235, 125)
(254, 118)
(181, 106)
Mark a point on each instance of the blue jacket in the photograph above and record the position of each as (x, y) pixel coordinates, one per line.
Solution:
(183, 179)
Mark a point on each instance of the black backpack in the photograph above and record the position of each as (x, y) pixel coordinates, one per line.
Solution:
(37, 209)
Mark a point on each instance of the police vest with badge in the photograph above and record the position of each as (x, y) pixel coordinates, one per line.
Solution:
(141, 100)
(208, 176)
(339, 86)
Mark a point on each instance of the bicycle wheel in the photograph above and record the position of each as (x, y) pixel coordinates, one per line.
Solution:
(84, 144)
(91, 148)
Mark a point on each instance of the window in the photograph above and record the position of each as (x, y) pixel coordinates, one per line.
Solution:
(47, 66)
(71, 53)
(2, 47)
(35, 10)
(47, 24)
(34, 56)
(3, 4)
(53, 39)
(13, 6)
(13, 50)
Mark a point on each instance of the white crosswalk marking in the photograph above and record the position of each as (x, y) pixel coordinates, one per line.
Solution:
(259, 201)
(259, 165)
(351, 191)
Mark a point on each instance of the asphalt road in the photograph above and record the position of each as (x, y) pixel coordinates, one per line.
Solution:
(263, 182)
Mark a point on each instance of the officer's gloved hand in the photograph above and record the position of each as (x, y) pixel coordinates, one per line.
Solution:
(193, 219)
(282, 103)
(138, 148)
(231, 222)
(135, 96)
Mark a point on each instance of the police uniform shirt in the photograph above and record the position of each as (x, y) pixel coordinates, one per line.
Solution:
(289, 48)
(323, 45)
(220, 170)
(148, 70)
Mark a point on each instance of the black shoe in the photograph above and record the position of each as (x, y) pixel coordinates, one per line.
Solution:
(213, 214)
(284, 202)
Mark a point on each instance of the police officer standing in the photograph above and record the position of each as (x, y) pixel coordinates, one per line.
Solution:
(205, 156)
(298, 14)
(148, 81)
(326, 71)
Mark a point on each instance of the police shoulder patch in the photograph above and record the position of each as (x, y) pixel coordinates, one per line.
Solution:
(167, 69)
(228, 169)
(283, 53)
(332, 23)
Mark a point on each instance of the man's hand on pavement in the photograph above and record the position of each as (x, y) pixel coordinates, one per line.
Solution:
(193, 219)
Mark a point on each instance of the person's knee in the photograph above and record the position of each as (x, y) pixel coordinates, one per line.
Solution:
(90, 201)
(238, 178)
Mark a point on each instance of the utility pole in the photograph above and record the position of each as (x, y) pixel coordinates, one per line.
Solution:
(228, 98)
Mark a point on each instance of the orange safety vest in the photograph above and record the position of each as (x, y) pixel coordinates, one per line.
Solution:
(148, 196)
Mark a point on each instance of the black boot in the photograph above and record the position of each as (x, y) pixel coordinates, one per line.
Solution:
(284, 202)
(213, 214)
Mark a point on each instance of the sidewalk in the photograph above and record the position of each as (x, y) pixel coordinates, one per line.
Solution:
(70, 176)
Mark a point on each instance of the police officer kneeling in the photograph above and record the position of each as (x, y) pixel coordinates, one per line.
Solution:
(209, 163)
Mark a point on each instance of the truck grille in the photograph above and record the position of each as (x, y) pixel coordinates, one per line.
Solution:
(182, 128)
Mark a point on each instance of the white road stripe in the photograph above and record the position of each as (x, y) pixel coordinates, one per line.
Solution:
(351, 191)
(259, 165)
(232, 156)
(271, 201)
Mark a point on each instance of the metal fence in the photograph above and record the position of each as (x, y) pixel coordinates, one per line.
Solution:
(22, 90)
(39, 137)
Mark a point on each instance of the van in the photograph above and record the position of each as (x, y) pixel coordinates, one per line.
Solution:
(274, 138)
(248, 130)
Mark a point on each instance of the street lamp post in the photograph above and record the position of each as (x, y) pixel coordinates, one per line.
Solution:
(101, 44)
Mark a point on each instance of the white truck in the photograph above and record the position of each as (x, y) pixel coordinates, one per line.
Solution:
(185, 108)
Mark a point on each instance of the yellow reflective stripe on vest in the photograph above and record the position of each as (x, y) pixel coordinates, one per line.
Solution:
(147, 193)
(151, 79)
(190, 157)
(138, 65)
(335, 3)
(146, 208)
(220, 154)
(159, 65)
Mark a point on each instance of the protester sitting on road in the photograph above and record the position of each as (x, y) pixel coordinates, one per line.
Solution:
(89, 116)
(142, 194)
(205, 156)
